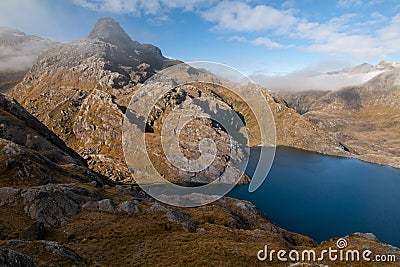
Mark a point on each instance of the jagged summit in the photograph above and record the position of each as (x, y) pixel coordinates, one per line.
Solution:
(107, 56)
(109, 30)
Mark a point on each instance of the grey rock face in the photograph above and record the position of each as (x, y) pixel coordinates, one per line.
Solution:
(247, 212)
(106, 205)
(57, 248)
(130, 207)
(53, 205)
(155, 207)
(20, 127)
(34, 232)
(174, 216)
(50, 246)
(91, 205)
(177, 217)
(11, 258)
(369, 236)
(8, 195)
(132, 190)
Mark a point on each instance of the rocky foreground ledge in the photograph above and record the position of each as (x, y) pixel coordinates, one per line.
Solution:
(86, 224)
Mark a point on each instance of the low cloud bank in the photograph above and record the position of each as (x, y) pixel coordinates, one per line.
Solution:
(21, 56)
(311, 80)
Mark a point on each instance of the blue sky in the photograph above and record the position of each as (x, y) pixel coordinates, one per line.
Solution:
(256, 37)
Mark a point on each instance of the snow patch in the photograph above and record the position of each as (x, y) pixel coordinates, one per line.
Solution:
(18, 35)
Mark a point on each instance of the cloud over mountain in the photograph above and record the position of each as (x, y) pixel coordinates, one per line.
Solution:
(312, 79)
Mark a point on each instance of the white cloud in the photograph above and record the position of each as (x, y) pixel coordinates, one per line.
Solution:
(151, 7)
(188, 5)
(288, 4)
(350, 3)
(356, 46)
(334, 37)
(141, 7)
(337, 37)
(264, 41)
(390, 34)
(311, 80)
(24, 51)
(241, 17)
(237, 38)
(377, 16)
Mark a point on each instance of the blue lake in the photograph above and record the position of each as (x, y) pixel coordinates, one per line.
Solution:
(324, 197)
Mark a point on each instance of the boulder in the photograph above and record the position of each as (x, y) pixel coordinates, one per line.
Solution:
(34, 232)
(11, 258)
(106, 205)
(130, 207)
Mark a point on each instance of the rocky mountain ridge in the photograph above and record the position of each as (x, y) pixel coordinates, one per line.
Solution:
(80, 90)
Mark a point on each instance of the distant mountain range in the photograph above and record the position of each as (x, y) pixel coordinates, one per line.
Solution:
(18, 52)
(314, 79)
(368, 68)
(98, 71)
(81, 89)
(366, 117)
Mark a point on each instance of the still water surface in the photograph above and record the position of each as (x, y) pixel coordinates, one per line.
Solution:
(323, 197)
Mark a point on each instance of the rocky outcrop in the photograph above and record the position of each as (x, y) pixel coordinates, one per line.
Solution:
(33, 155)
(87, 225)
(36, 231)
(11, 258)
(59, 254)
(20, 127)
(106, 205)
(51, 205)
(54, 205)
(130, 207)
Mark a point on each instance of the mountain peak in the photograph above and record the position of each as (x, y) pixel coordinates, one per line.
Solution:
(387, 65)
(109, 30)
